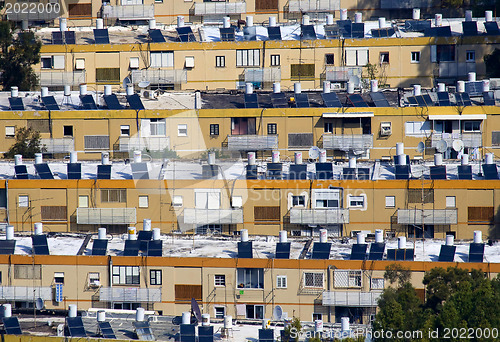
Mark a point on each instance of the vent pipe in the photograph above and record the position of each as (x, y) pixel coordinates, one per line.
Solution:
(329, 19)
(379, 236)
(323, 235)
(374, 85)
(44, 92)
(156, 234)
(101, 316)
(472, 76)
(417, 90)
(38, 228)
(272, 21)
(152, 24)
(449, 240)
(478, 236)
(101, 234)
(180, 21)
(358, 18)
(298, 158)
(275, 156)
(244, 235)
(9, 233)
(14, 92)
(441, 87)
(438, 159)
(38, 158)
(326, 87)
(99, 23)
(402, 242)
(486, 85)
(73, 310)
(343, 14)
(360, 237)
(132, 233)
(488, 16)
(249, 20)
(107, 90)
(297, 88)
(139, 314)
(416, 14)
(276, 87)
(283, 236)
(18, 159)
(465, 159)
(251, 158)
(83, 89)
(73, 157)
(322, 156)
(105, 158)
(438, 19)
(461, 86)
(226, 22)
(137, 156)
(146, 225)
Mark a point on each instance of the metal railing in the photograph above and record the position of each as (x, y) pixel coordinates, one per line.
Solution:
(105, 216)
(313, 5)
(213, 216)
(319, 216)
(129, 12)
(256, 75)
(58, 145)
(252, 142)
(61, 78)
(159, 76)
(428, 216)
(127, 144)
(25, 293)
(129, 294)
(347, 142)
(351, 298)
(470, 139)
(204, 8)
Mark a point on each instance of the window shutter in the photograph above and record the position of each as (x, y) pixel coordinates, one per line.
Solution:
(433, 54)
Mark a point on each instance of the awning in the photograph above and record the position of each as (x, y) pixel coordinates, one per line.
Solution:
(349, 115)
(458, 117)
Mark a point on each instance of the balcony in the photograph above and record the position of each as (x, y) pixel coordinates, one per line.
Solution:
(313, 6)
(159, 76)
(252, 142)
(129, 12)
(213, 216)
(343, 74)
(59, 145)
(351, 298)
(61, 78)
(453, 69)
(428, 216)
(470, 139)
(398, 4)
(126, 144)
(347, 142)
(222, 8)
(105, 216)
(25, 293)
(319, 216)
(129, 294)
(262, 75)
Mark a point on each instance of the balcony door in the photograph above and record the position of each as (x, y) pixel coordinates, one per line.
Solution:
(243, 126)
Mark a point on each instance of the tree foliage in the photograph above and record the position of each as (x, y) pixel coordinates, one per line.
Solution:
(492, 63)
(17, 55)
(27, 144)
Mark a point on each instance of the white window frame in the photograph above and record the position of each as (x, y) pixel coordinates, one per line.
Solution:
(10, 131)
(331, 196)
(356, 202)
(182, 130)
(219, 280)
(220, 61)
(418, 128)
(470, 56)
(248, 58)
(23, 201)
(377, 283)
(415, 57)
(80, 64)
(177, 201)
(281, 282)
(471, 128)
(298, 197)
(83, 201)
(219, 308)
(350, 279)
(390, 201)
(123, 129)
(451, 202)
(94, 278)
(317, 278)
(134, 62)
(275, 60)
(155, 277)
(157, 127)
(143, 201)
(162, 59)
(357, 57)
(237, 202)
(255, 310)
(126, 275)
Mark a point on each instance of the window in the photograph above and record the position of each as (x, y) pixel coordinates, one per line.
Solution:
(250, 278)
(189, 62)
(243, 126)
(266, 5)
(326, 198)
(272, 128)
(220, 312)
(275, 60)
(255, 311)
(182, 130)
(83, 201)
(52, 62)
(126, 275)
(377, 283)
(384, 58)
(162, 59)
(220, 280)
(58, 277)
(415, 56)
(27, 271)
(46, 62)
(313, 279)
(300, 139)
(207, 199)
(298, 200)
(158, 127)
(134, 63)
(80, 10)
(281, 282)
(155, 277)
(237, 202)
(470, 56)
(248, 58)
(158, 1)
(54, 213)
(96, 142)
(356, 57)
(329, 60)
(302, 71)
(125, 130)
(417, 128)
(442, 53)
(415, 195)
(68, 131)
(481, 214)
(472, 126)
(10, 131)
(450, 202)
(187, 292)
(94, 279)
(23, 201)
(114, 195)
(177, 201)
(356, 201)
(266, 215)
(143, 202)
(80, 64)
(344, 278)
(107, 74)
(390, 201)
(328, 127)
(220, 61)
(214, 129)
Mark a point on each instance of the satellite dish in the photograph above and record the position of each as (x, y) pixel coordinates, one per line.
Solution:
(39, 304)
(144, 84)
(441, 146)
(420, 147)
(458, 145)
(277, 313)
(314, 152)
(126, 81)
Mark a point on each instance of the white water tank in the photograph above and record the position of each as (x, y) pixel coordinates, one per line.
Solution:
(322, 156)
(249, 20)
(465, 159)
(44, 91)
(99, 23)
(344, 324)
(400, 148)
(275, 156)
(298, 158)
(283, 236)
(248, 88)
(156, 234)
(73, 157)
(107, 89)
(486, 85)
(478, 236)
(130, 89)
(297, 88)
(352, 162)
(83, 89)
(461, 86)
(402, 242)
(139, 314)
(401, 159)
(38, 158)
(101, 316)
(326, 87)
(379, 236)
(305, 20)
(18, 159)
(438, 159)
(438, 19)
(7, 310)
(329, 19)
(343, 14)
(276, 87)
(323, 235)
(73, 310)
(489, 158)
(226, 22)
(101, 233)
(137, 156)
(360, 237)
(416, 14)
(38, 228)
(468, 15)
(417, 90)
(211, 158)
(358, 17)
(251, 158)
(228, 322)
(152, 24)
(272, 21)
(488, 16)
(472, 76)
(14, 92)
(350, 87)
(105, 158)
(63, 24)
(441, 87)
(244, 235)
(381, 22)
(374, 85)
(146, 224)
(449, 240)
(318, 326)
(9, 233)
(205, 319)
(180, 21)
(67, 90)
(132, 233)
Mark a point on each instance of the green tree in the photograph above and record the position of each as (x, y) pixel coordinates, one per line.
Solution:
(17, 55)
(27, 144)
(492, 63)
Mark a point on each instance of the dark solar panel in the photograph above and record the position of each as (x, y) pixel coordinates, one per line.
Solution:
(266, 335)
(106, 330)
(99, 247)
(463, 99)
(155, 248)
(324, 171)
(376, 251)
(403, 172)
(428, 100)
(11, 325)
(301, 100)
(469, 28)
(332, 31)
(447, 253)
(401, 254)
(40, 246)
(185, 34)
(245, 250)
(143, 331)
(379, 99)
(131, 248)
(205, 334)
(491, 28)
(438, 172)
(490, 171)
(50, 103)
(252, 171)
(417, 25)
(489, 98)
(135, 102)
(307, 32)
(16, 103)
(349, 173)
(363, 173)
(251, 101)
(144, 237)
(321, 250)
(227, 34)
(279, 100)
(250, 33)
(274, 170)
(156, 36)
(297, 172)
(357, 101)
(420, 101)
(101, 36)
(112, 102)
(476, 252)
(345, 28)
(412, 101)
(74, 171)
(282, 250)
(383, 33)
(103, 171)
(140, 171)
(88, 102)
(464, 172)
(69, 37)
(44, 171)
(474, 88)
(443, 98)
(358, 30)
(443, 31)
(331, 100)
(7, 246)
(274, 33)
(21, 172)
(57, 38)
(187, 333)
(358, 251)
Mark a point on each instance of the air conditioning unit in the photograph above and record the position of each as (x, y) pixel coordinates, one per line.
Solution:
(148, 94)
(335, 86)
(385, 128)
(95, 283)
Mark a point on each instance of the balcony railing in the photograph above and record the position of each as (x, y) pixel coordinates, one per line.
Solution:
(398, 4)
(204, 8)
(61, 78)
(313, 6)
(127, 144)
(58, 145)
(453, 69)
(252, 142)
(105, 216)
(129, 12)
(343, 74)
(25, 293)
(347, 142)
(470, 139)
(351, 298)
(260, 75)
(159, 76)
(428, 216)
(213, 216)
(319, 216)
(129, 294)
